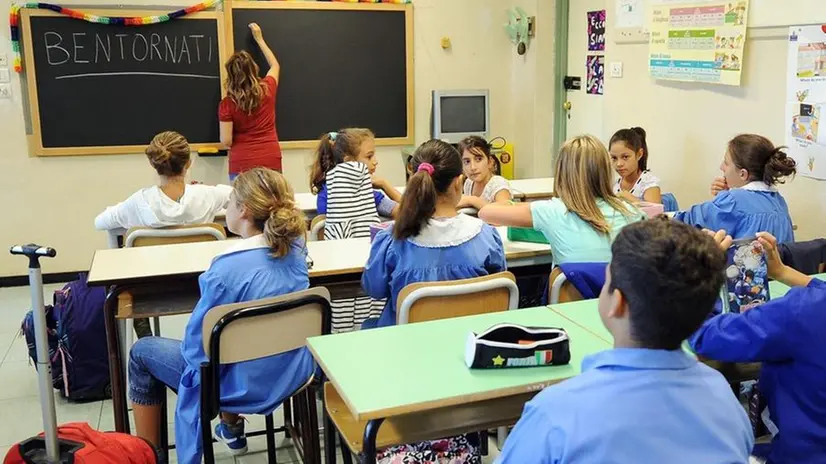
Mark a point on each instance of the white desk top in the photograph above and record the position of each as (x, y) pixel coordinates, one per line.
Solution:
(330, 258)
(522, 189)
(542, 187)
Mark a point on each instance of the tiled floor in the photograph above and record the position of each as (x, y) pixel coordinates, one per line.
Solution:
(19, 397)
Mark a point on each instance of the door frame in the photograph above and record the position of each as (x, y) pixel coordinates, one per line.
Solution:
(561, 70)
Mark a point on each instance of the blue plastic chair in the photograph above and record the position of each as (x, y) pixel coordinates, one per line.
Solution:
(586, 278)
(670, 204)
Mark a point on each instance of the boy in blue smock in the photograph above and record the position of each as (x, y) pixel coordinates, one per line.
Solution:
(430, 241)
(786, 335)
(746, 200)
(268, 261)
(646, 401)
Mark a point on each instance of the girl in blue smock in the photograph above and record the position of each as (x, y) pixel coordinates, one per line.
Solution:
(786, 335)
(430, 241)
(746, 198)
(268, 261)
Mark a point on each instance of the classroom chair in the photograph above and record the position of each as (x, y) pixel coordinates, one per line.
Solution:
(279, 324)
(317, 228)
(428, 301)
(576, 281)
(147, 236)
(670, 204)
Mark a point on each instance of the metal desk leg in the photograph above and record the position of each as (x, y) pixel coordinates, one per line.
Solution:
(116, 372)
(330, 433)
(371, 432)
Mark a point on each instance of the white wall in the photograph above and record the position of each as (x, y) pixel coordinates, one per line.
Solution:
(54, 200)
(689, 124)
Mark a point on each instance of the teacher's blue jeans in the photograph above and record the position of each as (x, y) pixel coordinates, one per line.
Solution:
(154, 362)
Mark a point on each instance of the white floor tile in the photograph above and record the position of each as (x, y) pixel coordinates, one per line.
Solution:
(28, 421)
(17, 380)
(18, 351)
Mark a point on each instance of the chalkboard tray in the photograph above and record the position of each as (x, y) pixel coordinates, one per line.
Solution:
(106, 89)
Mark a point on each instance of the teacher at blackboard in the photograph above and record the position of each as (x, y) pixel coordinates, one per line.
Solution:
(247, 113)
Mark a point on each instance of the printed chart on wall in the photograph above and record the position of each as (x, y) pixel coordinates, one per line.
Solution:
(806, 97)
(698, 42)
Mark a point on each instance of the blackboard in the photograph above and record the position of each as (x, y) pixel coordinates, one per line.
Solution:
(342, 65)
(100, 89)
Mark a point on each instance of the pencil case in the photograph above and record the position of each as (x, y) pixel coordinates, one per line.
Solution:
(519, 234)
(511, 345)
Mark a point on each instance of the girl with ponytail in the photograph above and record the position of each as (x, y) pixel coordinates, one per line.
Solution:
(746, 200)
(268, 261)
(629, 155)
(430, 241)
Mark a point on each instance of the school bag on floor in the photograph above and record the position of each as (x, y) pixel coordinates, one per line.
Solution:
(77, 442)
(454, 450)
(77, 341)
(88, 446)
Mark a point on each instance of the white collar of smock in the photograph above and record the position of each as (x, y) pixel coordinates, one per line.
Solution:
(448, 232)
(244, 244)
(759, 186)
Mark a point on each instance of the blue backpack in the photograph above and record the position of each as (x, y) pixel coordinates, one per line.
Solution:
(77, 341)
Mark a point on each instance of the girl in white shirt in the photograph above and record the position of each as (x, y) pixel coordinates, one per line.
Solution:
(482, 186)
(173, 202)
(629, 154)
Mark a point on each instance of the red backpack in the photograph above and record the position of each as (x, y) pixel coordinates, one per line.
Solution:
(80, 444)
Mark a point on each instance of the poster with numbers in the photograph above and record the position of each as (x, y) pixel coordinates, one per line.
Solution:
(805, 99)
(698, 42)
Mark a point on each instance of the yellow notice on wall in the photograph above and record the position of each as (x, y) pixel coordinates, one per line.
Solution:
(698, 42)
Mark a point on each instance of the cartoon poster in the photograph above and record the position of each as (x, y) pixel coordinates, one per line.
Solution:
(596, 31)
(747, 281)
(806, 98)
(595, 74)
(698, 42)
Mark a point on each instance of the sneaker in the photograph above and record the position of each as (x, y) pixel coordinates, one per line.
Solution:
(232, 436)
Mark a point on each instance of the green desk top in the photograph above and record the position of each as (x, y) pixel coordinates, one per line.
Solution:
(396, 370)
(585, 314)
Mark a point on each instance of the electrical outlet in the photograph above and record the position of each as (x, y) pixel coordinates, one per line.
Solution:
(4, 75)
(4, 59)
(5, 90)
(616, 69)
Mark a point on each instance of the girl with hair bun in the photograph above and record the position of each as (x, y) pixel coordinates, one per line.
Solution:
(173, 202)
(746, 198)
(430, 241)
(629, 155)
(268, 261)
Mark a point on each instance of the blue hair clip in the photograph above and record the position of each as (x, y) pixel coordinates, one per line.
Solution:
(333, 135)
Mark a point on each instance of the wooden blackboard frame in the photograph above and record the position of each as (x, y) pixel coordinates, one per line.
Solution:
(230, 5)
(35, 138)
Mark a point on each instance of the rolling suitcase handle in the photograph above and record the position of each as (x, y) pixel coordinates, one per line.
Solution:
(44, 368)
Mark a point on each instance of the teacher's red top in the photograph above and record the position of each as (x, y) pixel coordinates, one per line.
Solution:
(254, 140)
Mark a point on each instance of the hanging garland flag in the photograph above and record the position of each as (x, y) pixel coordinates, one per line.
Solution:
(14, 20)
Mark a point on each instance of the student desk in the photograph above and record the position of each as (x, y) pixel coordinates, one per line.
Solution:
(165, 278)
(532, 189)
(413, 378)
